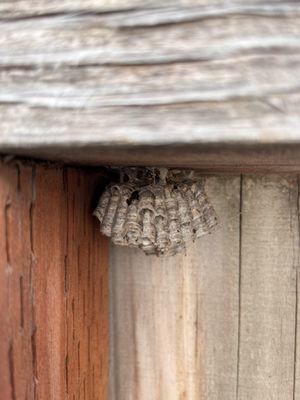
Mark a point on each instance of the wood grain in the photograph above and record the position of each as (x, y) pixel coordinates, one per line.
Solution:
(221, 322)
(31, 8)
(53, 286)
(174, 326)
(17, 365)
(133, 73)
(269, 259)
(296, 388)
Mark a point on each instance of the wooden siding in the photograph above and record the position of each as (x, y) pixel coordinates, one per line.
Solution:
(222, 321)
(79, 78)
(53, 286)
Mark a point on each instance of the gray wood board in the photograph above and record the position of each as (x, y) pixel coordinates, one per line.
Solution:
(268, 309)
(97, 75)
(220, 322)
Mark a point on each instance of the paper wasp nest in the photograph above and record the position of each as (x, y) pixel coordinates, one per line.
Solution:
(158, 217)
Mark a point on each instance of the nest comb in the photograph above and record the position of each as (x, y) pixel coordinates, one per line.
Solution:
(154, 211)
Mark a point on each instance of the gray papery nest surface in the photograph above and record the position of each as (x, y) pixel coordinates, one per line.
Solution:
(160, 217)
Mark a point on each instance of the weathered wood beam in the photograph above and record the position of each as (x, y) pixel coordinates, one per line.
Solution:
(78, 81)
(31, 8)
(206, 158)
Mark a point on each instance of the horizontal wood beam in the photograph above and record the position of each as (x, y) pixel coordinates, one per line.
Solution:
(101, 83)
(207, 159)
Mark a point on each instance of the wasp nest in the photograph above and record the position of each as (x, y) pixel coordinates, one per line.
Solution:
(160, 217)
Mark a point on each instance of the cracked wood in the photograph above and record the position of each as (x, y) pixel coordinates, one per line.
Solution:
(53, 285)
(137, 73)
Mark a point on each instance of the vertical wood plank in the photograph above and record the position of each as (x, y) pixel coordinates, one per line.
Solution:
(16, 366)
(86, 286)
(48, 247)
(296, 394)
(270, 248)
(174, 321)
(53, 285)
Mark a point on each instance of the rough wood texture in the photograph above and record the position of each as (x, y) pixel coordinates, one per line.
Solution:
(174, 321)
(268, 309)
(134, 73)
(221, 322)
(53, 286)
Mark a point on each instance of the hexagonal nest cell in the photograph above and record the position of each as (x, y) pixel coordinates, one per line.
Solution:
(158, 210)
